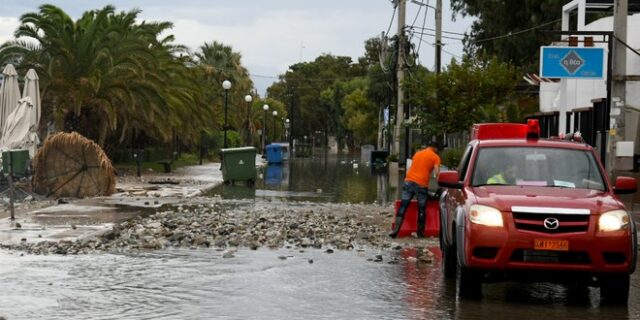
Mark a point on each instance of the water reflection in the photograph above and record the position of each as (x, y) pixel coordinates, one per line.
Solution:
(323, 177)
(277, 175)
(236, 192)
(200, 284)
(428, 295)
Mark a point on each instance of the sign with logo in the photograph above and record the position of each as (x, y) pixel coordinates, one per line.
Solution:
(571, 62)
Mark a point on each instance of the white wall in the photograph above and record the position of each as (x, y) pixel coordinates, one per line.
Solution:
(572, 93)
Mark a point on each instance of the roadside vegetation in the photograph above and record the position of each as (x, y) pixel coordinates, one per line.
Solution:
(126, 84)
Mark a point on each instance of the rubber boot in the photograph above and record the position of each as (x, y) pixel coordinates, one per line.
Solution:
(394, 232)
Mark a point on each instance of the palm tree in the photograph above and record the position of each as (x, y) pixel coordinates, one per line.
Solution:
(110, 75)
(218, 62)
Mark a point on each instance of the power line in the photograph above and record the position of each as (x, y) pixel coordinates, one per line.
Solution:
(393, 15)
(431, 29)
(510, 34)
(406, 62)
(423, 23)
(433, 35)
(443, 49)
(416, 18)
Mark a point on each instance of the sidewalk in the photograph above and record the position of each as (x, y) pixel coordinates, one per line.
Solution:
(71, 219)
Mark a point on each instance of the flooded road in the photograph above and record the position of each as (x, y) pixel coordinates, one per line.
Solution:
(200, 284)
(284, 283)
(330, 178)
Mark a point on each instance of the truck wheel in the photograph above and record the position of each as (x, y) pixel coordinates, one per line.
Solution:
(449, 261)
(614, 289)
(470, 283)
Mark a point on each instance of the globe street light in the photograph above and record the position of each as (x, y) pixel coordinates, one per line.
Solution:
(264, 127)
(248, 98)
(226, 85)
(275, 114)
(286, 129)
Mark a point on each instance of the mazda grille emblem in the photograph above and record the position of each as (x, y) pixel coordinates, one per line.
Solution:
(551, 223)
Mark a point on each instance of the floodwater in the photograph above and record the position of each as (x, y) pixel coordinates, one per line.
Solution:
(200, 284)
(323, 178)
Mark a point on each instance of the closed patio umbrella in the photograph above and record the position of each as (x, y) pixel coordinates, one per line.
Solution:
(17, 133)
(10, 94)
(32, 89)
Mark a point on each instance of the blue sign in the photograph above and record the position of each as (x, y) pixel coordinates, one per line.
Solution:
(571, 62)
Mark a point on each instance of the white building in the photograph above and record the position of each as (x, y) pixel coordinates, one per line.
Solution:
(571, 95)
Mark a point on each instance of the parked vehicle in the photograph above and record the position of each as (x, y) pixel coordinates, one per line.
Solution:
(528, 209)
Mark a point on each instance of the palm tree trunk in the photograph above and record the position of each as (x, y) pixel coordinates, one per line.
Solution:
(102, 133)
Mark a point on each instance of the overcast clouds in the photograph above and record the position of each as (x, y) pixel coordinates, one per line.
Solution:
(270, 34)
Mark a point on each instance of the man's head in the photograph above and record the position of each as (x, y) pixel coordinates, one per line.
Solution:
(435, 146)
(510, 172)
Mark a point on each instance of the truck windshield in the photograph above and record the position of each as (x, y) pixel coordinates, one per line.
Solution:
(535, 166)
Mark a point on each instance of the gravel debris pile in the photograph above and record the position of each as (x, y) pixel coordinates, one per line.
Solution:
(220, 225)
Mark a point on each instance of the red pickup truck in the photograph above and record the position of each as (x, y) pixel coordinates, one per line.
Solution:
(520, 208)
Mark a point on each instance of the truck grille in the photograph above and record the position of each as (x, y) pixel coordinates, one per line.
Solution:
(567, 223)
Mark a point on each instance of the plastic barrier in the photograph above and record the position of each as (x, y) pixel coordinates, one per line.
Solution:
(410, 221)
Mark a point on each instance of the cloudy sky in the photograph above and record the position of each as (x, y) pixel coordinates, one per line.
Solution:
(270, 34)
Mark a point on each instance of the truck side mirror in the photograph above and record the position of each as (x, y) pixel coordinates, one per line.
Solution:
(625, 185)
(449, 179)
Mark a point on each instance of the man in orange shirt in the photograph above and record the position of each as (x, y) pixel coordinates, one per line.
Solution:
(416, 182)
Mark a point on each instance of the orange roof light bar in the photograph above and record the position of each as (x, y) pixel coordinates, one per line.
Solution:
(492, 131)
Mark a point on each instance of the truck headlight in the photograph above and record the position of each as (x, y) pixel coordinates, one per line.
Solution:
(484, 215)
(613, 220)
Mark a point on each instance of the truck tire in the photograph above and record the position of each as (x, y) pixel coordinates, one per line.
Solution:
(449, 258)
(614, 289)
(469, 283)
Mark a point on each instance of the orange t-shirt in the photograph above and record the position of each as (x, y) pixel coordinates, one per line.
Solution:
(422, 164)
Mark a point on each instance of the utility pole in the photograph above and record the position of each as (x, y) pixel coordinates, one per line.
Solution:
(438, 35)
(400, 77)
(618, 95)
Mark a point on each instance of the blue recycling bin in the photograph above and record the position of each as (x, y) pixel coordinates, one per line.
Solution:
(274, 153)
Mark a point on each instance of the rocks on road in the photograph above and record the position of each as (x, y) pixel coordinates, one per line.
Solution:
(218, 224)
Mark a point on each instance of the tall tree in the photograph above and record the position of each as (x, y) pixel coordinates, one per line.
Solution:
(304, 82)
(219, 62)
(108, 76)
(467, 92)
(509, 29)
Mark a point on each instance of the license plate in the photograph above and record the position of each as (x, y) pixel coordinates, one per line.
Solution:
(556, 245)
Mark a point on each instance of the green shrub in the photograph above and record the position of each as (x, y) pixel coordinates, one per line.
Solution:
(451, 157)
(392, 158)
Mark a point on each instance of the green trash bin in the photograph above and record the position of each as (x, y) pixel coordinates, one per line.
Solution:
(238, 164)
(19, 162)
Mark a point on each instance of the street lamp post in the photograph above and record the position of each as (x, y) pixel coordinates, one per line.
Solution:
(248, 98)
(275, 114)
(226, 85)
(264, 127)
(286, 129)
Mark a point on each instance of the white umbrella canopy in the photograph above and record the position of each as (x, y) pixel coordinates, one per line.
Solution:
(17, 132)
(32, 89)
(10, 94)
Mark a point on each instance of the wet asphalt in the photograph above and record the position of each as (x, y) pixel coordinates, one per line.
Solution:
(310, 284)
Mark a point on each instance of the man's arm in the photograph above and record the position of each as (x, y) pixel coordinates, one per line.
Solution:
(436, 171)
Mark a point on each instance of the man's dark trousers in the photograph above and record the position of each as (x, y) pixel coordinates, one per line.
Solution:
(409, 189)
